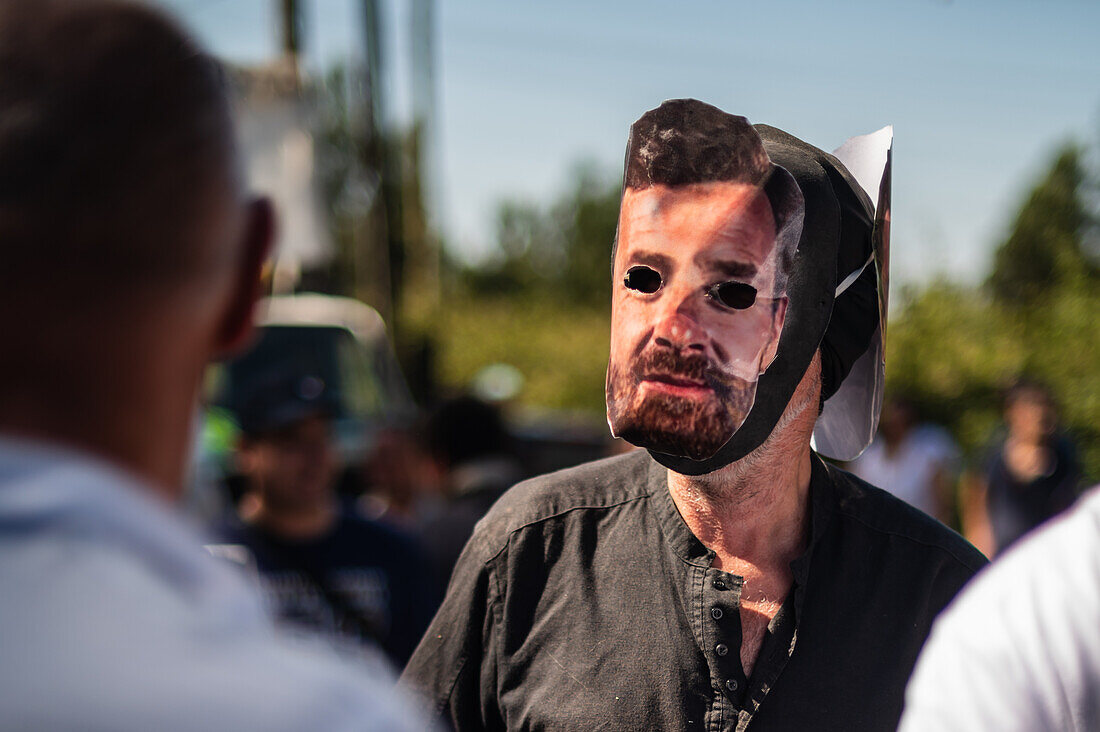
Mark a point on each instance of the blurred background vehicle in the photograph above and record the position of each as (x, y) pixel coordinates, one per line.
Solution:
(344, 346)
(340, 342)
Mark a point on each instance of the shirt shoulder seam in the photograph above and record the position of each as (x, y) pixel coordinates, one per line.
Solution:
(832, 472)
(913, 539)
(559, 514)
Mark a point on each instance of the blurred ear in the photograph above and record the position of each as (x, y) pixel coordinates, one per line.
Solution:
(258, 237)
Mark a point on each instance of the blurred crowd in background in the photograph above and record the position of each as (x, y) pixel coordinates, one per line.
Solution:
(396, 389)
(349, 502)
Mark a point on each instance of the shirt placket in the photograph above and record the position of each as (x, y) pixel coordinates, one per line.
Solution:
(720, 619)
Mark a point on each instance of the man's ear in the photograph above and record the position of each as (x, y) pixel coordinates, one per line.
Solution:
(258, 237)
(772, 348)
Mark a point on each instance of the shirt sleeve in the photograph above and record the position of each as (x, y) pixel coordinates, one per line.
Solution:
(1018, 650)
(960, 685)
(454, 667)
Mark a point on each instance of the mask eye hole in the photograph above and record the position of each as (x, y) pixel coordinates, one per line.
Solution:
(643, 279)
(736, 295)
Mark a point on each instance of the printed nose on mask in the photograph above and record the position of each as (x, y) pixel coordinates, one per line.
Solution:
(678, 330)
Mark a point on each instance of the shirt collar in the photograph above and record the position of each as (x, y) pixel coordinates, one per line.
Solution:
(63, 478)
(822, 507)
(688, 547)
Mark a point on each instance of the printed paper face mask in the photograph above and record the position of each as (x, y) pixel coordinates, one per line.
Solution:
(850, 417)
(708, 228)
(716, 316)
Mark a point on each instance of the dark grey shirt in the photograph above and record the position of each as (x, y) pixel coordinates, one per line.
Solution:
(584, 602)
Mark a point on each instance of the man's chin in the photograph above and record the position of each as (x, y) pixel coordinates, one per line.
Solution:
(671, 443)
(676, 426)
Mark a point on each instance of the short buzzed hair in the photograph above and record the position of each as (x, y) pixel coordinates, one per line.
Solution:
(685, 142)
(114, 128)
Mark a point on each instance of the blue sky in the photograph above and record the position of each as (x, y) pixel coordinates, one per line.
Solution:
(979, 93)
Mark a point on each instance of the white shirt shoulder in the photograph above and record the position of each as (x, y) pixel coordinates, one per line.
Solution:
(1019, 649)
(113, 616)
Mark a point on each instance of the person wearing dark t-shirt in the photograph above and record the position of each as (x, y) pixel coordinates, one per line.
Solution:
(351, 579)
(1029, 476)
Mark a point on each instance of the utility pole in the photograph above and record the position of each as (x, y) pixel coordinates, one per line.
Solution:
(376, 278)
(423, 272)
(291, 26)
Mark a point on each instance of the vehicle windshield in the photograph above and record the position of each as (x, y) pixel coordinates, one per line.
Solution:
(363, 377)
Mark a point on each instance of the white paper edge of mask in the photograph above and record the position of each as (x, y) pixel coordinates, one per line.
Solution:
(849, 420)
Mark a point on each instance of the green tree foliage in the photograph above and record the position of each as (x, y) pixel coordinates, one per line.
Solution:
(1044, 253)
(561, 349)
(954, 349)
(590, 217)
(542, 304)
(951, 352)
(561, 251)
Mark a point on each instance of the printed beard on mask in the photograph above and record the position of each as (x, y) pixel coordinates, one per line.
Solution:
(677, 424)
(708, 228)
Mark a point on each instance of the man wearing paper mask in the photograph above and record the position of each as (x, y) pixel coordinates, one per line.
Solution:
(725, 575)
(707, 234)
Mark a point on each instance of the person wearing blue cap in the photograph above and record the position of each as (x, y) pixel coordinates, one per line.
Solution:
(724, 577)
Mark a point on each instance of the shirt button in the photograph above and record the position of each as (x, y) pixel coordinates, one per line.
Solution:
(731, 684)
(716, 613)
(721, 649)
(719, 585)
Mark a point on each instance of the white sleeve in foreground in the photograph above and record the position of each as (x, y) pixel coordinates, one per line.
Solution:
(1020, 648)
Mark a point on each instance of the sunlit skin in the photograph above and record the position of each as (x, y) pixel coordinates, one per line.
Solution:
(694, 236)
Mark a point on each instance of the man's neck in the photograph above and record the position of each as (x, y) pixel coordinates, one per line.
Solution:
(754, 515)
(755, 511)
(111, 384)
(147, 432)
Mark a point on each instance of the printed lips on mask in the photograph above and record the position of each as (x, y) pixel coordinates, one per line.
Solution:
(665, 364)
(659, 420)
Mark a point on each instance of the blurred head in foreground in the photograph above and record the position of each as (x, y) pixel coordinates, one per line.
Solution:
(130, 252)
